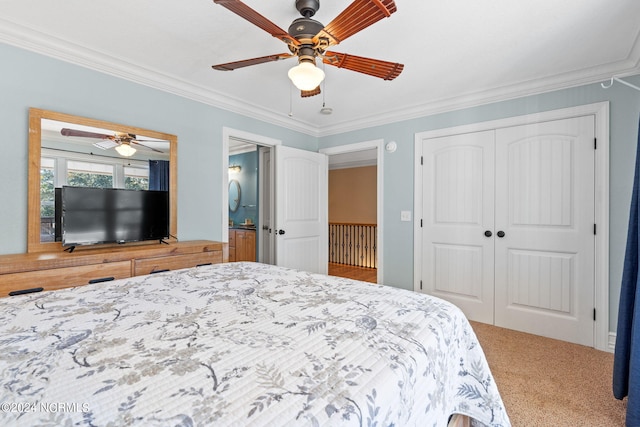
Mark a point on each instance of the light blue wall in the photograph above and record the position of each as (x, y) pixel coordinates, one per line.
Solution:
(32, 80)
(399, 174)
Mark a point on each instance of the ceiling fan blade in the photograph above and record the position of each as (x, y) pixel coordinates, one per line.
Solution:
(244, 11)
(373, 67)
(85, 134)
(105, 144)
(356, 17)
(145, 146)
(312, 92)
(230, 66)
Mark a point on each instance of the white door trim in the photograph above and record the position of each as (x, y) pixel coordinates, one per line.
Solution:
(601, 112)
(227, 134)
(378, 144)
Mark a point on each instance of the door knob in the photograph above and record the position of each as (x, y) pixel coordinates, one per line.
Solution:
(280, 231)
(488, 233)
(501, 234)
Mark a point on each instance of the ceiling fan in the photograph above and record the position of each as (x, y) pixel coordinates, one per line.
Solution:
(308, 39)
(120, 140)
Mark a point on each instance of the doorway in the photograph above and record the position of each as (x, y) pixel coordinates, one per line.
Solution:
(244, 208)
(295, 216)
(365, 249)
(237, 142)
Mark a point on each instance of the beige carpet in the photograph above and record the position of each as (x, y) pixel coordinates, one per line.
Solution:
(545, 382)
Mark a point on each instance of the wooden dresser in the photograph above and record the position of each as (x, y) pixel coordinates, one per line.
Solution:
(61, 269)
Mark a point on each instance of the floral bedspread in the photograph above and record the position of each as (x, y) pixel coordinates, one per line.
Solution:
(240, 344)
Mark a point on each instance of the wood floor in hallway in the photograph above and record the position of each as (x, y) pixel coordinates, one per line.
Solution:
(351, 272)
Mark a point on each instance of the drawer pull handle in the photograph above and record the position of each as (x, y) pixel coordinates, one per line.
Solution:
(100, 280)
(202, 265)
(25, 291)
(158, 271)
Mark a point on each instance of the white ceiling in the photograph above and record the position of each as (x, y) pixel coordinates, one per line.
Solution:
(457, 53)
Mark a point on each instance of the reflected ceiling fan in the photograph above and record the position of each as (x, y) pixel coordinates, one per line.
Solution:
(308, 39)
(120, 140)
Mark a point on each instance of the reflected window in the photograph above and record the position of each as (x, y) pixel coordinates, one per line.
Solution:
(136, 178)
(85, 174)
(47, 199)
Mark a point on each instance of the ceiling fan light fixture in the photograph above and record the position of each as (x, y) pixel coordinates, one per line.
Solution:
(125, 150)
(306, 76)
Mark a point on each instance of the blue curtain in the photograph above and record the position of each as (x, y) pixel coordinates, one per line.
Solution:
(626, 363)
(159, 175)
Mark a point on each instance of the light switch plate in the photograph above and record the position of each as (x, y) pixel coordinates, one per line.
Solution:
(405, 215)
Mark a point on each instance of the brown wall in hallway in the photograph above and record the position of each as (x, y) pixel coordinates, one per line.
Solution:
(353, 195)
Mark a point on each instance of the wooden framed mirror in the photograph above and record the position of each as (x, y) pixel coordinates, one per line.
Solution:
(82, 138)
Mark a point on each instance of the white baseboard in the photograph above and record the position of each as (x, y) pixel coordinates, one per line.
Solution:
(612, 342)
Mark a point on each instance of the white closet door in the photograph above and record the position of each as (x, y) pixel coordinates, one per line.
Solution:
(458, 186)
(545, 208)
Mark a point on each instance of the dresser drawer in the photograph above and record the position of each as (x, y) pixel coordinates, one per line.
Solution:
(175, 262)
(58, 278)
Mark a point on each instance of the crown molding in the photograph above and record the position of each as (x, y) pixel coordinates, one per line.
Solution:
(29, 39)
(34, 41)
(354, 164)
(577, 78)
(623, 68)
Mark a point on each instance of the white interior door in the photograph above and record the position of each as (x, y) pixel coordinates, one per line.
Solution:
(301, 217)
(458, 200)
(545, 243)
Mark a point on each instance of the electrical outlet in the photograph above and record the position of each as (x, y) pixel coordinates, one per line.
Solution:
(405, 215)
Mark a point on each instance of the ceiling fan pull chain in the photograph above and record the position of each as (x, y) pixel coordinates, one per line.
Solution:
(290, 101)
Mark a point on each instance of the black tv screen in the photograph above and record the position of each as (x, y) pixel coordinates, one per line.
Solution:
(110, 215)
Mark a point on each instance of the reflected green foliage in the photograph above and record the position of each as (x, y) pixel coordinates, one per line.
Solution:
(83, 179)
(135, 183)
(47, 196)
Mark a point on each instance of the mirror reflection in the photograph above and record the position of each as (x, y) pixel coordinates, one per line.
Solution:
(76, 151)
(84, 156)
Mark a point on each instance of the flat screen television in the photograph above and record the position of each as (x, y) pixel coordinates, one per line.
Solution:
(89, 216)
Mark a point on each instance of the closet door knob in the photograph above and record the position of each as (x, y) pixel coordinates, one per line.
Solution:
(488, 233)
(501, 234)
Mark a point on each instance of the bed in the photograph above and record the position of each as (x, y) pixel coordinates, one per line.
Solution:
(240, 344)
